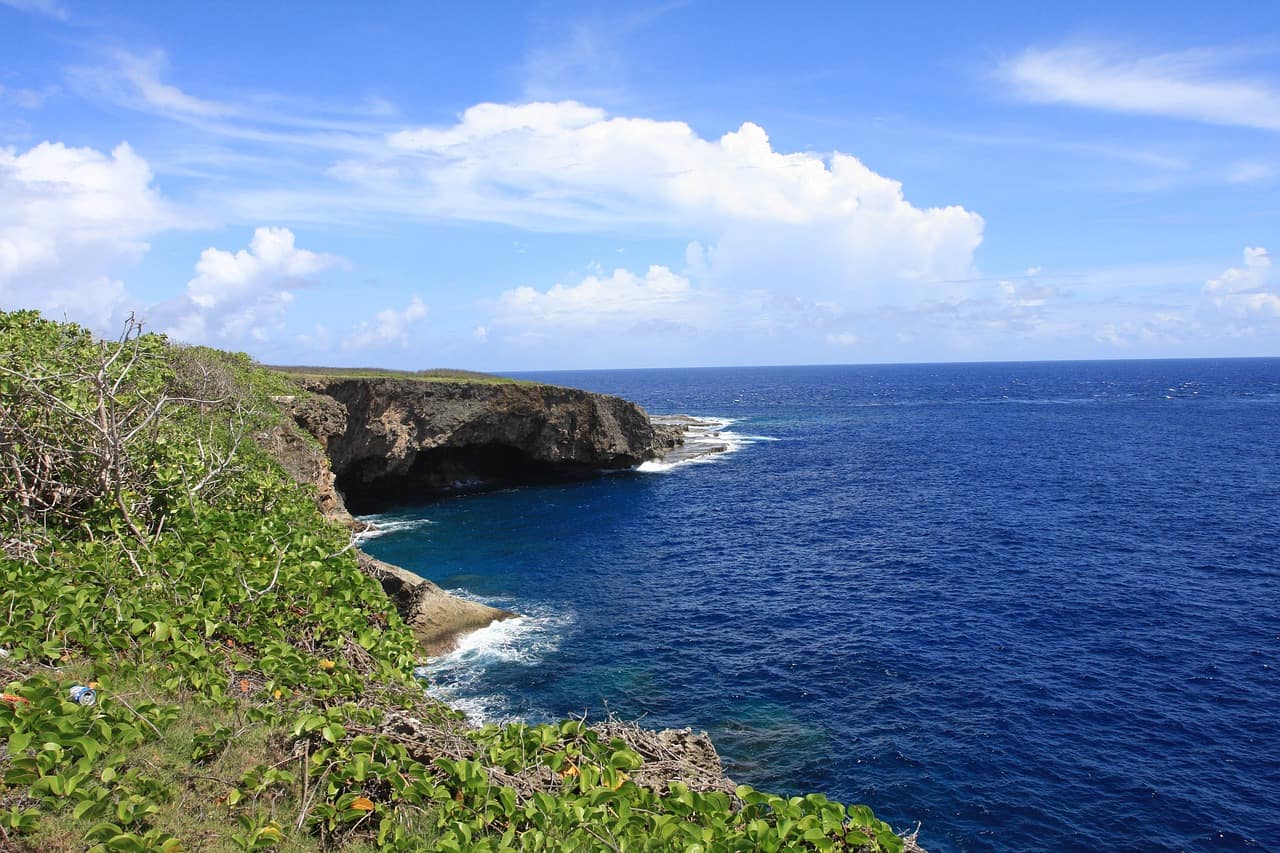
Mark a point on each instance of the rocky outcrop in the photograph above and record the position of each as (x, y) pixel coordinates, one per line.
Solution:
(304, 460)
(391, 440)
(436, 617)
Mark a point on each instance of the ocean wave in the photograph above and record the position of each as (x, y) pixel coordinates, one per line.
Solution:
(382, 525)
(706, 440)
(460, 678)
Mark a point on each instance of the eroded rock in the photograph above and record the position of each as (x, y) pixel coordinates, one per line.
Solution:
(436, 617)
(390, 441)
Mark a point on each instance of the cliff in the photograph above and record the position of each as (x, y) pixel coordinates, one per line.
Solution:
(391, 441)
(374, 442)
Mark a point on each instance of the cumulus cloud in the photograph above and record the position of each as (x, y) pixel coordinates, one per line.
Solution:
(69, 218)
(387, 328)
(1250, 290)
(662, 302)
(617, 301)
(241, 295)
(1185, 85)
(569, 166)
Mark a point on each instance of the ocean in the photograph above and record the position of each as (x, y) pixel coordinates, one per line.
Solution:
(1027, 606)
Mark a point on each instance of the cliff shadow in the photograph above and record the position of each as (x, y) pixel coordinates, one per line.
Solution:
(367, 486)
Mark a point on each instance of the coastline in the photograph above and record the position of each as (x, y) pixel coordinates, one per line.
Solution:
(441, 619)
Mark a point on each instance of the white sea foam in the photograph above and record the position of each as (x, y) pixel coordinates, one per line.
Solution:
(459, 678)
(706, 440)
(382, 525)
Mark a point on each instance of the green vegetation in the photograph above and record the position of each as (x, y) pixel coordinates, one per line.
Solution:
(440, 374)
(253, 688)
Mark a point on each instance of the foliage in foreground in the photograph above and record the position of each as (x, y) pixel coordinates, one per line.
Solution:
(250, 678)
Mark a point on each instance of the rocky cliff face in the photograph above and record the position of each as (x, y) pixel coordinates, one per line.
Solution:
(384, 441)
(396, 440)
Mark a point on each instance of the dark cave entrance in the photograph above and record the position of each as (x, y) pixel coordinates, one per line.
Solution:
(441, 471)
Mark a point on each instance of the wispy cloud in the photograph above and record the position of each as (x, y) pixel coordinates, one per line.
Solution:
(22, 98)
(51, 8)
(137, 82)
(753, 216)
(1251, 172)
(1194, 85)
(586, 58)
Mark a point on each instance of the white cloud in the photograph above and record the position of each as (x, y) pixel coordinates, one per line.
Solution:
(1185, 85)
(570, 163)
(481, 334)
(609, 307)
(1161, 328)
(1026, 293)
(1251, 290)
(242, 295)
(765, 216)
(69, 217)
(568, 166)
(388, 327)
(619, 301)
(843, 339)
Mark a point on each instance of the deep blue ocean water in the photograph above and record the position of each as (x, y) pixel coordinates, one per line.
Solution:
(1031, 606)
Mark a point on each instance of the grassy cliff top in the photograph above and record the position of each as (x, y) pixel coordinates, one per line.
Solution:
(433, 375)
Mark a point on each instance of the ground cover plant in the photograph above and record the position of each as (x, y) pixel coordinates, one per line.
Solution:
(252, 684)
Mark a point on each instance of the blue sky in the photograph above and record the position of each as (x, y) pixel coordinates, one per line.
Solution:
(541, 186)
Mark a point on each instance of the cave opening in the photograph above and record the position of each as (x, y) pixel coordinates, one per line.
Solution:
(440, 471)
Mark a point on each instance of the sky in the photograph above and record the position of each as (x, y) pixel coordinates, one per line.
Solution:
(526, 186)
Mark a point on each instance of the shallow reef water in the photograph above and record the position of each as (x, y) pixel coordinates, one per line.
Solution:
(1030, 606)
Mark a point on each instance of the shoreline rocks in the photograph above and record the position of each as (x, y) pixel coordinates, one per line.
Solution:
(436, 617)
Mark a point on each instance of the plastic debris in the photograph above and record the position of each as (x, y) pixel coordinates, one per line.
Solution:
(82, 695)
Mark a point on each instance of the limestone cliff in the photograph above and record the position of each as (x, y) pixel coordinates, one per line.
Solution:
(436, 618)
(395, 440)
(371, 443)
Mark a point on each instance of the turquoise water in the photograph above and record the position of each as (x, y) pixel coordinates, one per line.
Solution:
(1031, 606)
